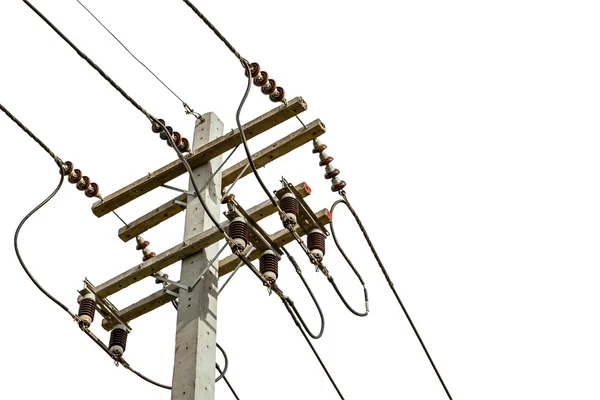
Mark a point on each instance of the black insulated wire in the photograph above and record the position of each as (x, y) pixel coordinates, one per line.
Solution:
(387, 277)
(228, 383)
(291, 312)
(27, 131)
(215, 30)
(187, 108)
(245, 143)
(362, 282)
(89, 61)
(310, 292)
(18, 253)
(160, 385)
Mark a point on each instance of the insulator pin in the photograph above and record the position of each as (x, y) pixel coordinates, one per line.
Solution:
(316, 243)
(291, 206)
(269, 265)
(118, 340)
(87, 310)
(238, 231)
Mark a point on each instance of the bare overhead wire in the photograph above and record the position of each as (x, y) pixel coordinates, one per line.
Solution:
(387, 277)
(188, 109)
(143, 111)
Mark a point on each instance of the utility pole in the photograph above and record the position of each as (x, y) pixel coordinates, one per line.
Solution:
(195, 340)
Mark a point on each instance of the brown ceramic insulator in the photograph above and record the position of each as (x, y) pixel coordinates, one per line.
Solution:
(68, 168)
(156, 128)
(238, 229)
(269, 263)
(319, 149)
(261, 78)
(254, 70)
(227, 198)
(142, 245)
(93, 190)
(176, 139)
(336, 187)
(83, 183)
(163, 135)
(290, 205)
(277, 95)
(157, 281)
(184, 146)
(87, 308)
(316, 241)
(148, 256)
(118, 339)
(332, 174)
(325, 161)
(269, 87)
(75, 176)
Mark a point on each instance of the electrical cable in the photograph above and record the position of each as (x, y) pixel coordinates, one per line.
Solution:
(188, 109)
(127, 366)
(226, 363)
(310, 292)
(26, 130)
(16, 244)
(287, 307)
(143, 111)
(227, 382)
(387, 277)
(219, 35)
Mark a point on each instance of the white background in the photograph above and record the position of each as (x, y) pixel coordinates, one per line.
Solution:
(467, 132)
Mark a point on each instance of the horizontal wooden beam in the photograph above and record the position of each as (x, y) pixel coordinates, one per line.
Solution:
(227, 265)
(198, 157)
(274, 151)
(261, 158)
(153, 218)
(183, 250)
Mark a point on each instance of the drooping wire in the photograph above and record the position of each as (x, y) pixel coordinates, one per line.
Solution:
(160, 385)
(228, 383)
(188, 109)
(310, 292)
(287, 307)
(18, 253)
(387, 277)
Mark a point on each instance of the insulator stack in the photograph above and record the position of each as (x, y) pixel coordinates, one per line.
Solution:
(291, 206)
(143, 246)
(182, 143)
(118, 340)
(238, 232)
(330, 171)
(87, 309)
(269, 265)
(81, 182)
(316, 243)
(267, 85)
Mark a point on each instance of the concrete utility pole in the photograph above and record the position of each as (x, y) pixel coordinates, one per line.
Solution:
(195, 342)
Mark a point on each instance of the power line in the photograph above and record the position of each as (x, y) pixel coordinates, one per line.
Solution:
(387, 277)
(187, 108)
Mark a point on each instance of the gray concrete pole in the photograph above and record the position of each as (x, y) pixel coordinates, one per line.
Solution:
(194, 369)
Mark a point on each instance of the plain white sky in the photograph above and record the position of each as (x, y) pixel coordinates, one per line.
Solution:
(467, 131)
